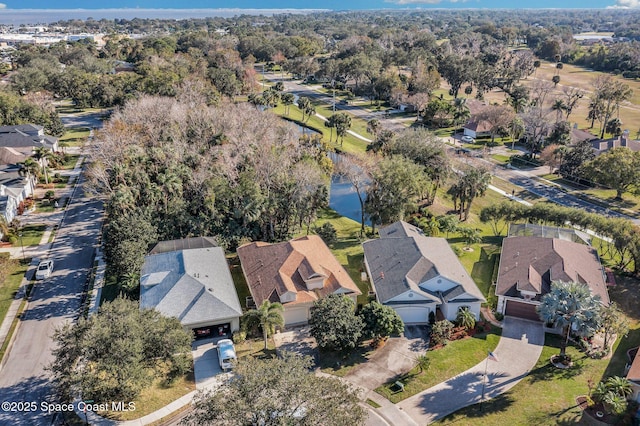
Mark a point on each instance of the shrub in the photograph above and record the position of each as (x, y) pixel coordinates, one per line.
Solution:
(441, 332)
(328, 233)
(239, 337)
(498, 316)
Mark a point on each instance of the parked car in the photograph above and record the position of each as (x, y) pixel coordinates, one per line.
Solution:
(467, 139)
(226, 354)
(45, 268)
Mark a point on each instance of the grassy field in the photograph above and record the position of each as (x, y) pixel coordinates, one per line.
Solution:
(447, 362)
(349, 144)
(583, 78)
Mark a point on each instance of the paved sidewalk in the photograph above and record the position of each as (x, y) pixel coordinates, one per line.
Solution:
(518, 351)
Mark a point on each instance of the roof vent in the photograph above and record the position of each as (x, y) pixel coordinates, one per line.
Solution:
(382, 275)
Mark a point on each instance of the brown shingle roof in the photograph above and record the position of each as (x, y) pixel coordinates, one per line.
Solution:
(531, 263)
(272, 270)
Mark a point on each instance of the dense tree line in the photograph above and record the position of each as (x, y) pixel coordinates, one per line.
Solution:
(172, 169)
(624, 236)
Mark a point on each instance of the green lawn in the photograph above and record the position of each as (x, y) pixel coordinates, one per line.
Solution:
(349, 144)
(32, 234)
(546, 396)
(74, 137)
(69, 163)
(15, 271)
(447, 362)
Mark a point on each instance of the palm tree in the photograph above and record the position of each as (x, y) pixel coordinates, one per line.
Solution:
(570, 306)
(267, 316)
(620, 385)
(558, 106)
(42, 155)
(287, 101)
(29, 167)
(423, 362)
(466, 318)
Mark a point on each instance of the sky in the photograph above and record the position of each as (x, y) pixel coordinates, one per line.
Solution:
(324, 4)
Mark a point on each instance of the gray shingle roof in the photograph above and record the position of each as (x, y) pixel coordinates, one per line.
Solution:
(193, 285)
(25, 135)
(403, 258)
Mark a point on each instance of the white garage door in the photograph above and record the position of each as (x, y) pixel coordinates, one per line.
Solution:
(295, 316)
(413, 314)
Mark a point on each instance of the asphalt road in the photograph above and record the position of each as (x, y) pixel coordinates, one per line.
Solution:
(53, 302)
(527, 181)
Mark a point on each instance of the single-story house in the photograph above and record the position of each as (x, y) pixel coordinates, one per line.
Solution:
(190, 279)
(25, 138)
(295, 273)
(623, 141)
(529, 264)
(418, 275)
(476, 128)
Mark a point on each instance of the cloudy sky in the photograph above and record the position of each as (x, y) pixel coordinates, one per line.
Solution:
(325, 4)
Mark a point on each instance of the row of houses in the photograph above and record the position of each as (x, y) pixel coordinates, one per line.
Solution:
(17, 143)
(414, 274)
(420, 277)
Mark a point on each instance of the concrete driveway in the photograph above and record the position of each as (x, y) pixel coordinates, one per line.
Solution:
(205, 361)
(518, 351)
(395, 358)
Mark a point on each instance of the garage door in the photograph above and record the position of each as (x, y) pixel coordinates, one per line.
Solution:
(413, 314)
(295, 316)
(522, 310)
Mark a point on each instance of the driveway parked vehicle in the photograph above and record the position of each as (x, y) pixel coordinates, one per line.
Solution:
(226, 354)
(467, 139)
(45, 268)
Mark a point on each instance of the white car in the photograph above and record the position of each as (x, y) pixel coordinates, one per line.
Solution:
(467, 139)
(226, 354)
(45, 268)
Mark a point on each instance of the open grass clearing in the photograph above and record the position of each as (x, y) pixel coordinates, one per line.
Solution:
(447, 362)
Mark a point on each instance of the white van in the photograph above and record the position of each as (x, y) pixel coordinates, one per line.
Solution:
(226, 354)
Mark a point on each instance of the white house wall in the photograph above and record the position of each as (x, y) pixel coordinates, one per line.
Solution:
(450, 310)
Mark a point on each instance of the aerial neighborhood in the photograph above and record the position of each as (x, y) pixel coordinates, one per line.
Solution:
(377, 217)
